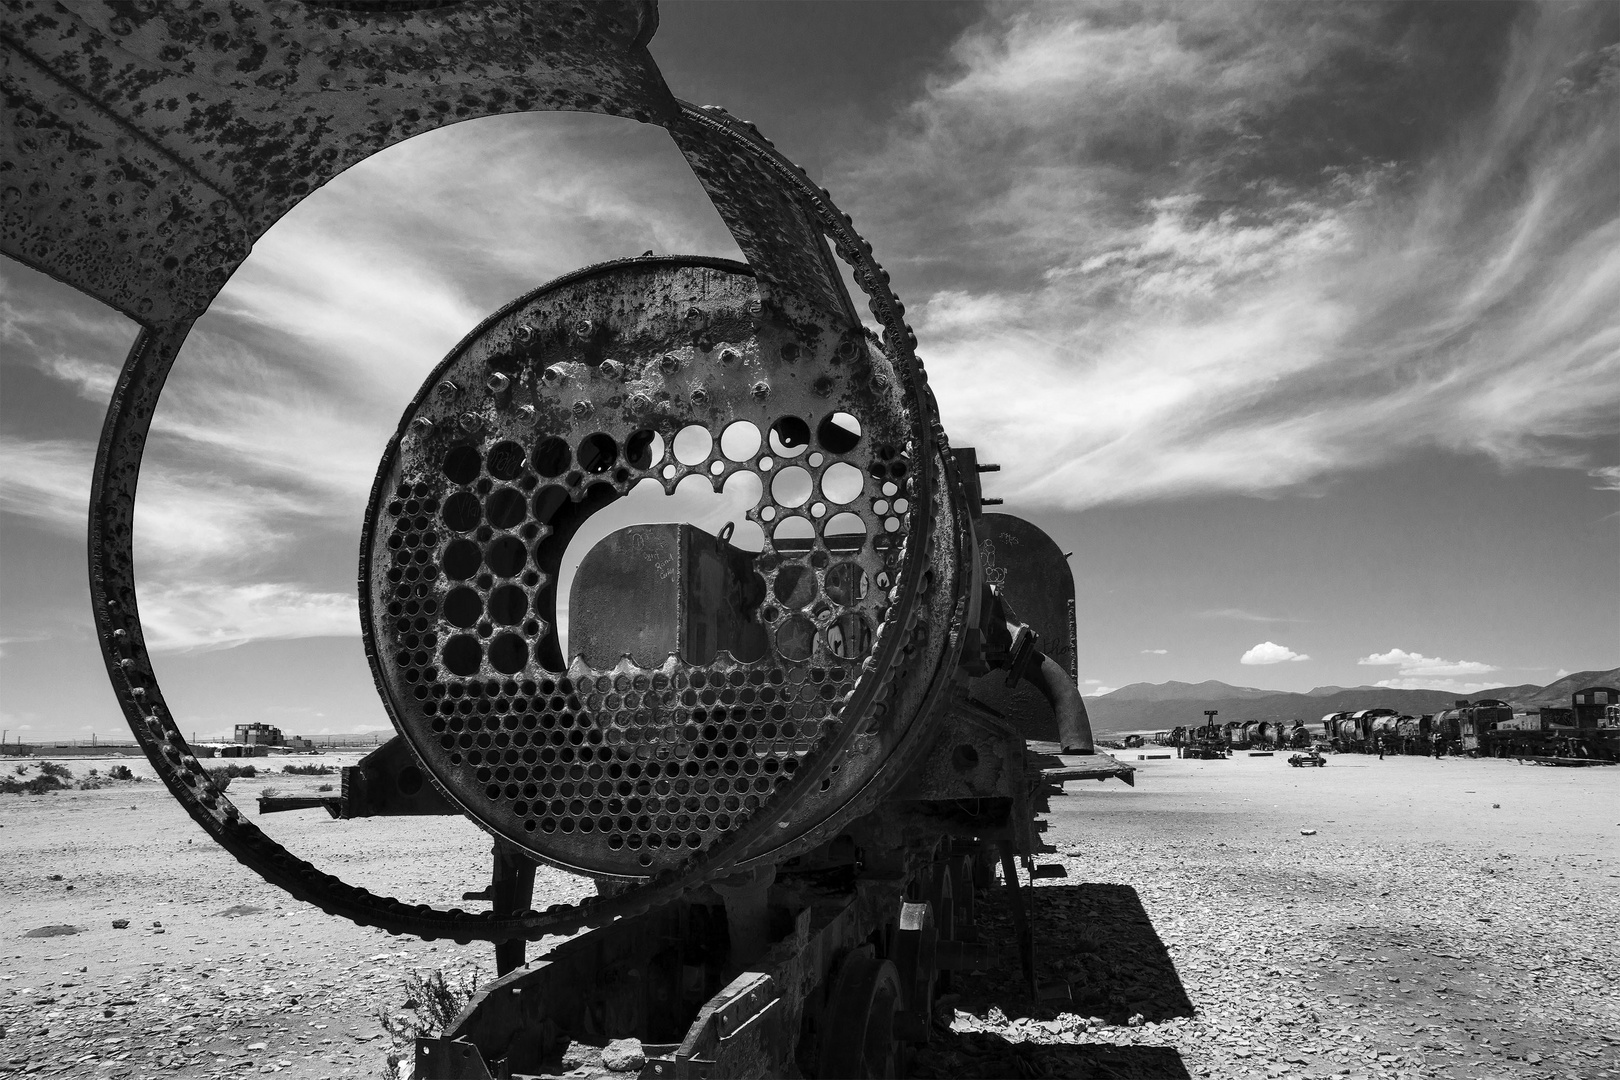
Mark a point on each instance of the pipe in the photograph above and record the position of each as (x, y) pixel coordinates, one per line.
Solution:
(1054, 684)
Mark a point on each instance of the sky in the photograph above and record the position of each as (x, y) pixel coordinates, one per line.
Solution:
(1299, 325)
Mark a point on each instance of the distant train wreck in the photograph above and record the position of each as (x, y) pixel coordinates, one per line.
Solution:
(1589, 729)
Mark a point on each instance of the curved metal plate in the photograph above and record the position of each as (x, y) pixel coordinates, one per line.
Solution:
(1033, 577)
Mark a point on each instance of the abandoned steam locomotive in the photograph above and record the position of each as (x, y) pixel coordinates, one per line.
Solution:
(788, 752)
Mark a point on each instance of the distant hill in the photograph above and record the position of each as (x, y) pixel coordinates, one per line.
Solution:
(1171, 704)
(1181, 691)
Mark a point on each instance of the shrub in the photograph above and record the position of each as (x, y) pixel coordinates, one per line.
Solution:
(221, 776)
(324, 787)
(39, 785)
(308, 770)
(433, 1003)
(51, 768)
(120, 772)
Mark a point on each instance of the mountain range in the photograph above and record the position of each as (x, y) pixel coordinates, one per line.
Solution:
(1173, 704)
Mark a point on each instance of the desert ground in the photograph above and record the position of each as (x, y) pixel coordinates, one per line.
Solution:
(1447, 918)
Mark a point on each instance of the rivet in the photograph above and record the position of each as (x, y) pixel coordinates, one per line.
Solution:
(497, 382)
(552, 374)
(421, 425)
(761, 390)
(527, 411)
(694, 312)
(471, 422)
(611, 368)
(699, 395)
(728, 356)
(584, 329)
(448, 389)
(823, 386)
(583, 408)
(524, 333)
(670, 364)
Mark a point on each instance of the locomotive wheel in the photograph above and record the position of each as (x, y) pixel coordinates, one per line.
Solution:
(858, 1037)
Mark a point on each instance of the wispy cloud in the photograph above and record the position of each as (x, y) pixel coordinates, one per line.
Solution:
(1171, 225)
(1269, 652)
(1155, 652)
(214, 616)
(264, 446)
(1242, 615)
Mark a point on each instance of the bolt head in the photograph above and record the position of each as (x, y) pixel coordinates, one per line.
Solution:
(552, 374)
(761, 391)
(471, 422)
(583, 409)
(584, 329)
(498, 382)
(611, 368)
(670, 364)
(524, 333)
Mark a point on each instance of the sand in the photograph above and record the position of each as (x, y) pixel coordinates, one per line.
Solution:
(1193, 905)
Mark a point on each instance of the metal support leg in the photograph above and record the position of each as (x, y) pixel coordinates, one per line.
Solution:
(511, 889)
(1018, 900)
(748, 913)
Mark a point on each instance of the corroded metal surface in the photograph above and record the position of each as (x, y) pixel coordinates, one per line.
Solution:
(652, 371)
(163, 264)
(148, 145)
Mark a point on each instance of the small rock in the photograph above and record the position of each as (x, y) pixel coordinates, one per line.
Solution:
(1136, 1021)
(1307, 832)
(120, 924)
(155, 923)
(623, 1055)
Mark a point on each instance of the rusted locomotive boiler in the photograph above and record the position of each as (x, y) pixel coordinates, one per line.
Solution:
(786, 752)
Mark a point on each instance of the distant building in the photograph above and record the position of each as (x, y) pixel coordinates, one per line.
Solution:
(1592, 706)
(259, 735)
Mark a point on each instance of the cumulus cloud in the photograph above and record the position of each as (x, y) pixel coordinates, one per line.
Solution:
(1413, 664)
(1196, 232)
(1156, 652)
(1269, 652)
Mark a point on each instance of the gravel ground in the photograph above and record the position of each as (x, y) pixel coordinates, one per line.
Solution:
(1446, 919)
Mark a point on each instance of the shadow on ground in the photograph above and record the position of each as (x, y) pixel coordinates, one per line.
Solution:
(1098, 942)
(981, 1053)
